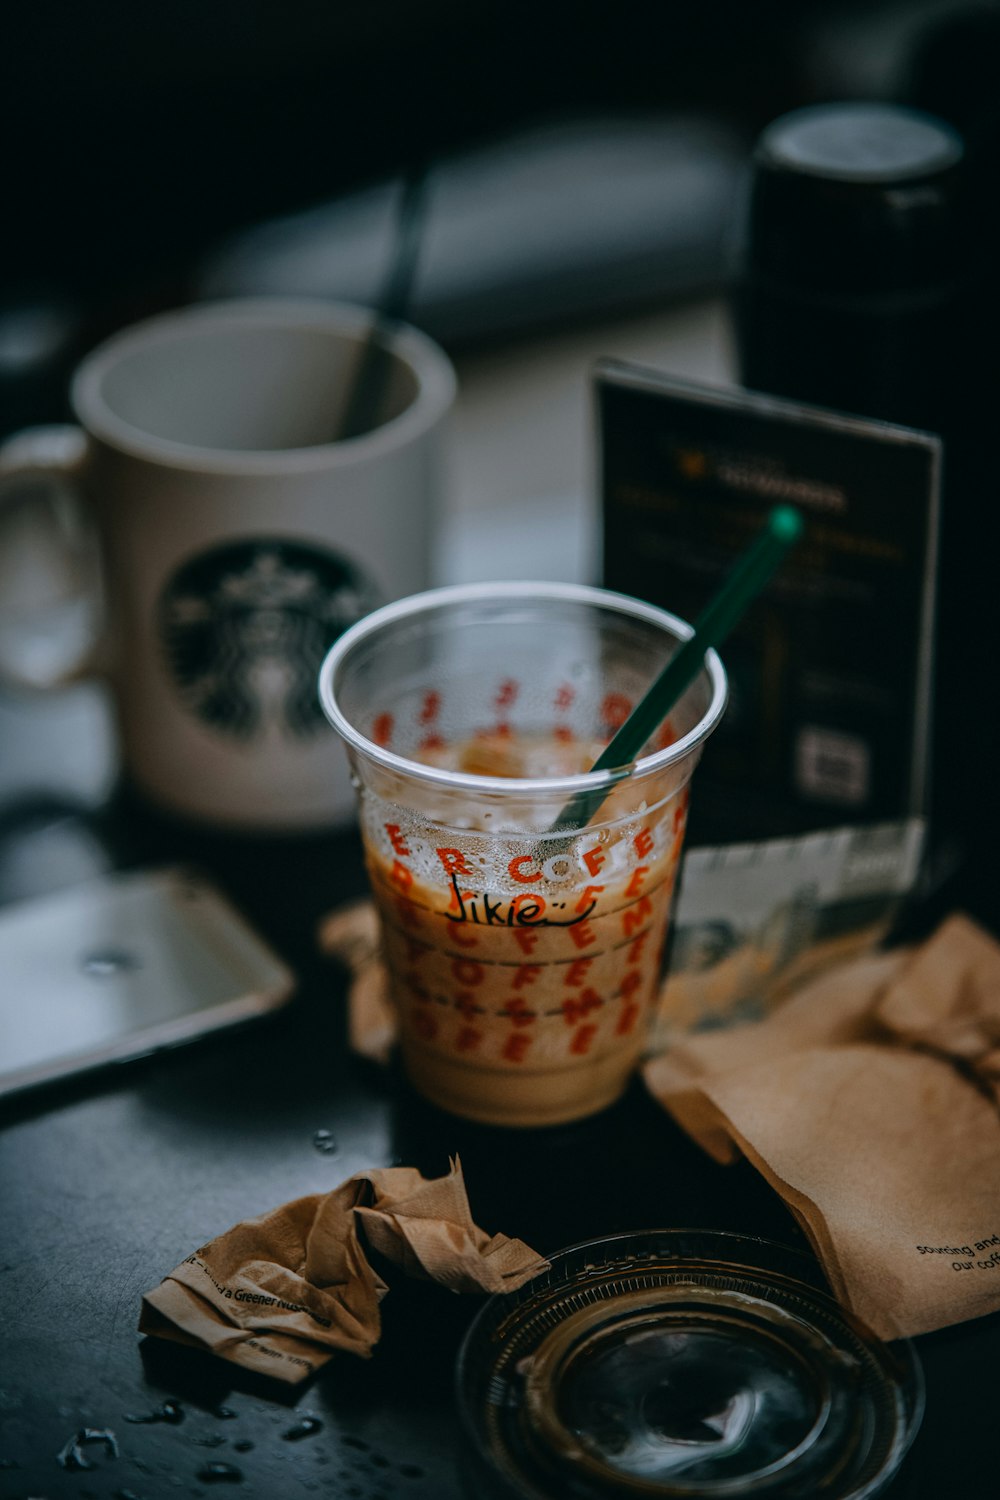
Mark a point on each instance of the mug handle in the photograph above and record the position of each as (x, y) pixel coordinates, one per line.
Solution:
(51, 604)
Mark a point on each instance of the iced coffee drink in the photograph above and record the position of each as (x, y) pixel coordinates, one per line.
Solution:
(523, 949)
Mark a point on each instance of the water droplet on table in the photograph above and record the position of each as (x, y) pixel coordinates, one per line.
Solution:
(243, 1446)
(305, 1427)
(215, 1473)
(105, 963)
(326, 1142)
(167, 1411)
(72, 1456)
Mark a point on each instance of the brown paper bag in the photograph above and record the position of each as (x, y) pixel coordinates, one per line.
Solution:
(866, 1101)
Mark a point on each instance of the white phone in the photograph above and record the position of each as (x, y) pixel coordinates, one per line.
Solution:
(121, 966)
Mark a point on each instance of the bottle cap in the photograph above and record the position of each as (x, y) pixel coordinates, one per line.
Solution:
(855, 198)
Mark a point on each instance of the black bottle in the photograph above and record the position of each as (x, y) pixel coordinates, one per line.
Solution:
(852, 261)
(853, 293)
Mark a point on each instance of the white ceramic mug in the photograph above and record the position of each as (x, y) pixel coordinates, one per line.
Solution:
(237, 539)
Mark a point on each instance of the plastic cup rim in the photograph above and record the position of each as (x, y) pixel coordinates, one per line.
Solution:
(513, 786)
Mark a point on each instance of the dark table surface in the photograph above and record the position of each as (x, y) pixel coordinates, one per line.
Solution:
(108, 1182)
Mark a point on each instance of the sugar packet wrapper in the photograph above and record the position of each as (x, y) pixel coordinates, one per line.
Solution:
(870, 1101)
(282, 1293)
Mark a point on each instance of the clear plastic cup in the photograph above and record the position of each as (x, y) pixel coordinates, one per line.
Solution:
(523, 957)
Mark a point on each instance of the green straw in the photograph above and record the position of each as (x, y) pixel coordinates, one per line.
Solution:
(781, 530)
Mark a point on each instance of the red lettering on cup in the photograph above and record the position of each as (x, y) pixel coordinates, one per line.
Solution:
(575, 1007)
(415, 949)
(631, 982)
(468, 1039)
(454, 861)
(577, 970)
(563, 734)
(615, 709)
(681, 809)
(382, 729)
(525, 939)
(467, 971)
(396, 838)
(526, 974)
(466, 1006)
(643, 842)
(529, 906)
(627, 1019)
(430, 707)
(516, 1045)
(432, 742)
(582, 934)
(401, 875)
(635, 916)
(516, 865)
(564, 696)
(635, 884)
(582, 1039)
(586, 899)
(506, 693)
(463, 939)
(424, 1024)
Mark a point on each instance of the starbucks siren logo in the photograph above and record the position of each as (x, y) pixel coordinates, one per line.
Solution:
(245, 627)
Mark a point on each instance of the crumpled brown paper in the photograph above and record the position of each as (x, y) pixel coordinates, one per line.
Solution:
(352, 935)
(281, 1293)
(869, 1102)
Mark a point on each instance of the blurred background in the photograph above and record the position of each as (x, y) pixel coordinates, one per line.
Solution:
(586, 155)
(588, 166)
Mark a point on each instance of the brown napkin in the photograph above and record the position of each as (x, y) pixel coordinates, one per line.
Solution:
(282, 1292)
(869, 1102)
